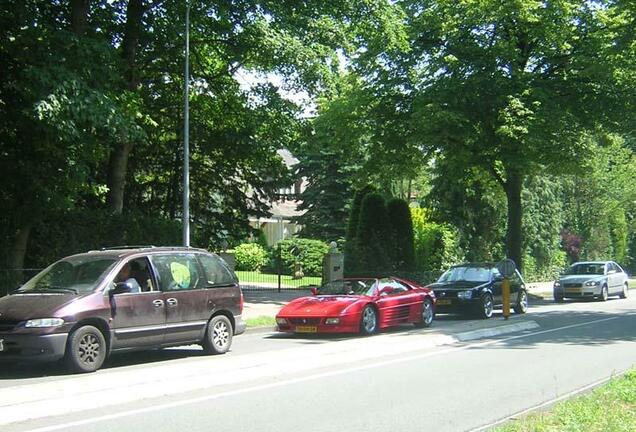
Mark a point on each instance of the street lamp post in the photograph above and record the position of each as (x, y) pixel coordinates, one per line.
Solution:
(186, 133)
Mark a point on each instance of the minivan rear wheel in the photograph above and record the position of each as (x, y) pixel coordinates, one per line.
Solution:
(85, 349)
(218, 336)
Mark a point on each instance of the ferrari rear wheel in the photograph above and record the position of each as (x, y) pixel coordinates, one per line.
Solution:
(368, 321)
(427, 314)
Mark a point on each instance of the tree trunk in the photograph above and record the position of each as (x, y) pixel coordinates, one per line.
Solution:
(19, 248)
(116, 180)
(514, 181)
(79, 16)
(118, 162)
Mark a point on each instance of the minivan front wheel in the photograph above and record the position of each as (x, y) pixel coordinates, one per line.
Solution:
(85, 350)
(218, 336)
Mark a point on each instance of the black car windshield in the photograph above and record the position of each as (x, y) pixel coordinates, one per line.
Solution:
(348, 287)
(75, 275)
(586, 269)
(466, 273)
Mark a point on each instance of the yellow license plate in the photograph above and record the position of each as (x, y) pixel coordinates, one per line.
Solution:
(306, 329)
(443, 302)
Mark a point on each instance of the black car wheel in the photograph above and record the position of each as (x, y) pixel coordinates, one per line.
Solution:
(368, 321)
(218, 336)
(623, 293)
(485, 306)
(604, 294)
(427, 314)
(522, 302)
(85, 350)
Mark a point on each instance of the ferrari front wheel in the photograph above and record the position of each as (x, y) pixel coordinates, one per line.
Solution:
(368, 321)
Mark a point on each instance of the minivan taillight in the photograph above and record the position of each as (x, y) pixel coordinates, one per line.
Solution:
(241, 303)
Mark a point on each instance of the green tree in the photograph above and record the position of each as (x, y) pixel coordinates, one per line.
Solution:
(376, 244)
(352, 247)
(512, 86)
(402, 231)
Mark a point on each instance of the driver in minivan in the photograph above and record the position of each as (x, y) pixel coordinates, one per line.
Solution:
(125, 275)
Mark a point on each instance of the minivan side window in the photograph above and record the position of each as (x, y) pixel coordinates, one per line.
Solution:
(177, 272)
(216, 271)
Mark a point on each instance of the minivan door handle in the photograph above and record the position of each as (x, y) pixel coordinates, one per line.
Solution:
(172, 302)
(157, 303)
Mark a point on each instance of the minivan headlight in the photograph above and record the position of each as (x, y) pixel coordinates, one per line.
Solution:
(592, 283)
(44, 322)
(465, 295)
(557, 284)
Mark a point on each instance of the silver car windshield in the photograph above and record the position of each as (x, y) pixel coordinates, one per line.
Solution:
(586, 269)
(348, 287)
(75, 275)
(468, 274)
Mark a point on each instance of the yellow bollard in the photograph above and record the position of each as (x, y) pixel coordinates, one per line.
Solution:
(505, 294)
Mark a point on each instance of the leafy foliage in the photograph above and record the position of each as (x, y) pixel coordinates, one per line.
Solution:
(307, 252)
(402, 232)
(250, 256)
(436, 245)
(374, 238)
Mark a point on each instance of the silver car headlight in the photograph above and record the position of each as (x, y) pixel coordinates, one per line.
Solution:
(44, 322)
(592, 283)
(465, 295)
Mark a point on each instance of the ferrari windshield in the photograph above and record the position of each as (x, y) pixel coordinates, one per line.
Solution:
(467, 274)
(74, 275)
(586, 269)
(348, 287)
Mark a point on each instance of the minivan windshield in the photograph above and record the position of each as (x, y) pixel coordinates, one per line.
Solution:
(74, 275)
(348, 287)
(466, 273)
(586, 269)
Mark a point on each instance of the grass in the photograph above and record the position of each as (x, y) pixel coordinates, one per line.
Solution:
(261, 321)
(609, 408)
(632, 283)
(272, 279)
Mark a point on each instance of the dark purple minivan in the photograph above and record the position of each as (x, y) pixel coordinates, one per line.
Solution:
(86, 306)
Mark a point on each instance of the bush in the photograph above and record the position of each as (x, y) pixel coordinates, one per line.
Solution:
(436, 245)
(250, 257)
(309, 253)
(375, 241)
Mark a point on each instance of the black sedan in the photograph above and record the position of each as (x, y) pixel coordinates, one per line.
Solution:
(475, 288)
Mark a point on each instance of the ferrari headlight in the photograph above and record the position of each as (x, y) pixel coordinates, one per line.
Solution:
(44, 322)
(281, 321)
(592, 283)
(332, 321)
(465, 295)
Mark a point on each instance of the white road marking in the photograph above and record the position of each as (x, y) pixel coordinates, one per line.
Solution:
(284, 370)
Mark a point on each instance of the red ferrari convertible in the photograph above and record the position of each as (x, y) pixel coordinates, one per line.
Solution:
(363, 305)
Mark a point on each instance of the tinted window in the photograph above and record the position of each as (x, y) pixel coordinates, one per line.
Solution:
(177, 272)
(586, 268)
(216, 271)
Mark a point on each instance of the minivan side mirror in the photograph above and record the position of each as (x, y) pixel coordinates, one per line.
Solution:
(122, 288)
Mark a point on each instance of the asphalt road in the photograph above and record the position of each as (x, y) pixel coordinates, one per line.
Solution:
(449, 378)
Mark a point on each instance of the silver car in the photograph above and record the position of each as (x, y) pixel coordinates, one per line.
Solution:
(598, 279)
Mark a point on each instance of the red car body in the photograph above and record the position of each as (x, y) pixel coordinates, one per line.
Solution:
(391, 301)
